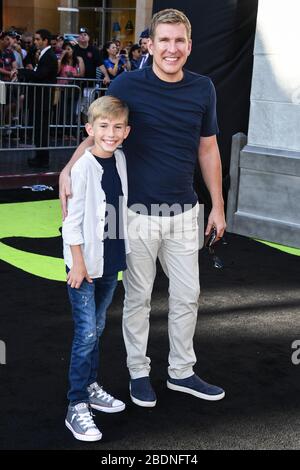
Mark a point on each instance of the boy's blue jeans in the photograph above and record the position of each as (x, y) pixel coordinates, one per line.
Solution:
(89, 305)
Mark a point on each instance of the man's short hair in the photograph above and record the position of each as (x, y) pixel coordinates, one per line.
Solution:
(170, 16)
(45, 34)
(107, 107)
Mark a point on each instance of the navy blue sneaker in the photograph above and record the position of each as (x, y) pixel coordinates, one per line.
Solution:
(141, 392)
(197, 387)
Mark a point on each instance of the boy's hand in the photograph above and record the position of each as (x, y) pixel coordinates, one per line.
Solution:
(76, 275)
(64, 191)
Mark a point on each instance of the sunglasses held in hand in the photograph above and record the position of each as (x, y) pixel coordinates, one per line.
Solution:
(210, 239)
(209, 243)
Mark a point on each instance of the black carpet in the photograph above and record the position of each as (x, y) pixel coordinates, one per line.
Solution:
(248, 318)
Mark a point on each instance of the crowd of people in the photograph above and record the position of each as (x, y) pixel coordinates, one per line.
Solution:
(21, 51)
(46, 59)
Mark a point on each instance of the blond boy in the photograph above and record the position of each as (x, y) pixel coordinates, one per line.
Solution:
(94, 256)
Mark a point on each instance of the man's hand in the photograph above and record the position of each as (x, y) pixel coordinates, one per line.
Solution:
(216, 219)
(64, 178)
(64, 190)
(13, 74)
(18, 48)
(211, 168)
(76, 275)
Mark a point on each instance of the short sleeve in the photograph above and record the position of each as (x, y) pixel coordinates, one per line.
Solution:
(118, 88)
(209, 122)
(107, 63)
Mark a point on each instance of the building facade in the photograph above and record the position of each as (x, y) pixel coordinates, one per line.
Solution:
(105, 19)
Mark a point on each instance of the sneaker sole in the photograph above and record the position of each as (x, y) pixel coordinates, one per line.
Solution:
(83, 437)
(145, 404)
(204, 396)
(112, 409)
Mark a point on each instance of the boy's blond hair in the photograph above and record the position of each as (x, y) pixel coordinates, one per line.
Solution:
(108, 107)
(170, 16)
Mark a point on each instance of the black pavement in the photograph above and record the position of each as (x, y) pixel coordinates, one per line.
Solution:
(249, 316)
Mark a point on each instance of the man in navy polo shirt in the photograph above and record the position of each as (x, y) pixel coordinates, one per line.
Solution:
(173, 121)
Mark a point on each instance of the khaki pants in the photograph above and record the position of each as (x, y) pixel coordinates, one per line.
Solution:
(175, 240)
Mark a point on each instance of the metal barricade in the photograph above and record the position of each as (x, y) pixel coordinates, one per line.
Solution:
(37, 115)
(46, 116)
(91, 88)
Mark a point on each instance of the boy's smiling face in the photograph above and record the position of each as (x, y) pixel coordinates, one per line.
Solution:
(108, 134)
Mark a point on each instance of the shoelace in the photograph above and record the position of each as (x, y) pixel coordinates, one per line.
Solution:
(104, 395)
(86, 420)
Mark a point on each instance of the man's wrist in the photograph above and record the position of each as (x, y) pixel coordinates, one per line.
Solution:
(218, 204)
(66, 171)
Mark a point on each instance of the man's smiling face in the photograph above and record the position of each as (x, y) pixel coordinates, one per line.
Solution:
(170, 48)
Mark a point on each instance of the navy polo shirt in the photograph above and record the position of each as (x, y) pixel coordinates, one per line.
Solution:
(167, 122)
(114, 245)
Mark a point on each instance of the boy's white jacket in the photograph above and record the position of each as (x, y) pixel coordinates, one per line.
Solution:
(84, 224)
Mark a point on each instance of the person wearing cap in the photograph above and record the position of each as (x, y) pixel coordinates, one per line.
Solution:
(8, 72)
(145, 59)
(16, 48)
(91, 56)
(8, 64)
